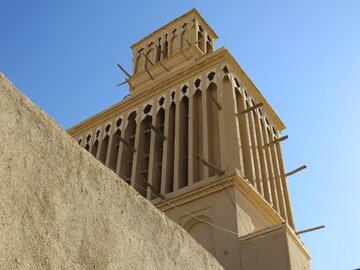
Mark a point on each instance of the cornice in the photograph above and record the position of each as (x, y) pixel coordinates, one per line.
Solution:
(229, 180)
(203, 63)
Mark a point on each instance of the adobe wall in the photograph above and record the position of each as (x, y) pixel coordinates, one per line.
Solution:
(61, 208)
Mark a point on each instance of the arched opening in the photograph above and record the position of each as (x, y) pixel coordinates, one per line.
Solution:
(127, 150)
(166, 47)
(183, 141)
(184, 37)
(114, 149)
(158, 151)
(197, 130)
(139, 64)
(174, 43)
(150, 55)
(209, 47)
(200, 39)
(103, 150)
(95, 147)
(213, 127)
(169, 184)
(244, 137)
(158, 51)
(143, 156)
(200, 229)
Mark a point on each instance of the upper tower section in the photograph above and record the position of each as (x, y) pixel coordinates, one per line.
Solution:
(182, 35)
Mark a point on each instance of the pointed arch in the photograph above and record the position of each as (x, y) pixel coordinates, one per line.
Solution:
(213, 127)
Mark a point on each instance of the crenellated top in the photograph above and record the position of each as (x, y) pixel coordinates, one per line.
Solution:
(174, 37)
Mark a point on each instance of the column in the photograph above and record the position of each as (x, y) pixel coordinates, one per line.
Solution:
(264, 187)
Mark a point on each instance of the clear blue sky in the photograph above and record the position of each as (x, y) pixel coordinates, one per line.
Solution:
(303, 55)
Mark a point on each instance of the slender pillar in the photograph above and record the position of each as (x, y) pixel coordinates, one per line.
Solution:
(264, 187)
(285, 187)
(270, 169)
(191, 134)
(279, 187)
(243, 122)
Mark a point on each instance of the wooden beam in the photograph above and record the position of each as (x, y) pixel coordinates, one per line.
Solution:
(311, 229)
(158, 62)
(147, 59)
(132, 88)
(187, 59)
(126, 81)
(148, 72)
(164, 67)
(212, 167)
(250, 109)
(295, 171)
(127, 144)
(158, 131)
(157, 46)
(215, 101)
(277, 141)
(123, 70)
(199, 40)
(153, 189)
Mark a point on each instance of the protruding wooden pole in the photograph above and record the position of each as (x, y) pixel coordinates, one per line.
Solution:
(216, 102)
(157, 131)
(153, 189)
(123, 70)
(147, 59)
(311, 229)
(250, 109)
(295, 171)
(148, 72)
(127, 144)
(277, 141)
(209, 165)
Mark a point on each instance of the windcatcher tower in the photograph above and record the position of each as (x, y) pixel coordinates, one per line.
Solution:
(198, 139)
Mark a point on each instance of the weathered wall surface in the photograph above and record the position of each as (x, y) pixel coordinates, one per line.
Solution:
(60, 208)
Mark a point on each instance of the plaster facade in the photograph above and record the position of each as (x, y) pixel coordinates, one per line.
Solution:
(62, 209)
(197, 139)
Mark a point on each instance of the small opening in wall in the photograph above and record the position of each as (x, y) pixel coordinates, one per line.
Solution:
(107, 128)
(88, 138)
(118, 122)
(147, 109)
(225, 69)
(97, 133)
(80, 141)
(173, 95)
(161, 101)
(237, 83)
(274, 130)
(197, 83)
(184, 89)
(267, 121)
(211, 75)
